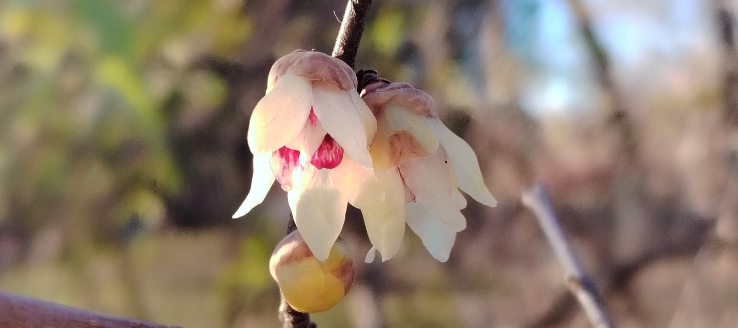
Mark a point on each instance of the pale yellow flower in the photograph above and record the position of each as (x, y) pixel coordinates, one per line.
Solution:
(311, 132)
(432, 163)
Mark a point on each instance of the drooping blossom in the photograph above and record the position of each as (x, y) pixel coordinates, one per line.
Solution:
(311, 133)
(431, 162)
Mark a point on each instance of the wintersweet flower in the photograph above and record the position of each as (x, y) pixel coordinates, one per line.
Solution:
(311, 133)
(432, 162)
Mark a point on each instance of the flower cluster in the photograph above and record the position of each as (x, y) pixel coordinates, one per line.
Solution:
(385, 152)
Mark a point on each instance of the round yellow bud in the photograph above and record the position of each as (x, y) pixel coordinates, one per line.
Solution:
(307, 284)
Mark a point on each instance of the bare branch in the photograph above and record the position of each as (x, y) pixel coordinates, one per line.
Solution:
(21, 311)
(352, 27)
(536, 198)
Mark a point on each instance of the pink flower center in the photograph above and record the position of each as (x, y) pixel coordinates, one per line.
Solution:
(283, 163)
(329, 154)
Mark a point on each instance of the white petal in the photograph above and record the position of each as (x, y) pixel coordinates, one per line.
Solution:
(318, 209)
(408, 134)
(280, 115)
(436, 236)
(261, 182)
(339, 116)
(465, 163)
(370, 255)
(456, 196)
(381, 199)
(355, 182)
(308, 140)
(429, 181)
(370, 123)
(384, 216)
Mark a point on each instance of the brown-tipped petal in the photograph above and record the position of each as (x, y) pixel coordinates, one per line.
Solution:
(380, 95)
(317, 66)
(281, 65)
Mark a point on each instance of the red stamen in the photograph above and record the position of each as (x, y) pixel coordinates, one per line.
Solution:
(329, 154)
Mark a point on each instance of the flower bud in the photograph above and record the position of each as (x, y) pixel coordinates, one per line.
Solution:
(307, 284)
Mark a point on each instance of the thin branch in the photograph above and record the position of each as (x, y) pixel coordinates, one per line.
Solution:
(347, 45)
(352, 27)
(536, 198)
(21, 311)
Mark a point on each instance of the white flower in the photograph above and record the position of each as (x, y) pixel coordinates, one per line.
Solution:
(430, 161)
(311, 132)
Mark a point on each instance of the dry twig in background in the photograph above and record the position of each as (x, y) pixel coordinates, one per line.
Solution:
(536, 198)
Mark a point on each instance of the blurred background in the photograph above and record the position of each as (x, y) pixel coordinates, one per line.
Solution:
(123, 156)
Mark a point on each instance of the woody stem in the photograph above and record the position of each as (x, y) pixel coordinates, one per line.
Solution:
(352, 27)
(347, 45)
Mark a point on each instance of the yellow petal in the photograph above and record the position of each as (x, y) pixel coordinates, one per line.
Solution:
(261, 182)
(339, 116)
(280, 115)
(429, 181)
(465, 163)
(308, 288)
(318, 209)
(380, 151)
(436, 236)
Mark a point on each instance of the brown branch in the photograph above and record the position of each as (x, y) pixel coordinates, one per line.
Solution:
(352, 26)
(21, 311)
(347, 45)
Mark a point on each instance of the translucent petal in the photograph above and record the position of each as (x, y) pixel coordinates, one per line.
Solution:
(339, 116)
(428, 179)
(370, 123)
(318, 209)
(309, 139)
(261, 182)
(370, 255)
(355, 182)
(280, 115)
(465, 163)
(456, 196)
(384, 217)
(407, 133)
(380, 151)
(436, 236)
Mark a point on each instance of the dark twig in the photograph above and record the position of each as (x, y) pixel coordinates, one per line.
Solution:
(352, 27)
(21, 311)
(347, 45)
(577, 280)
